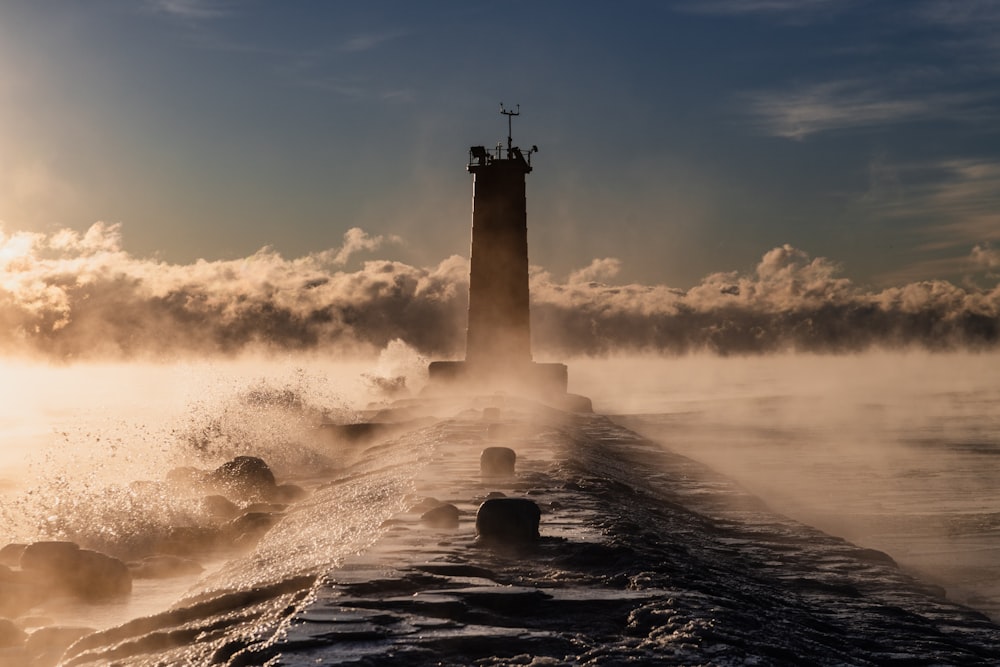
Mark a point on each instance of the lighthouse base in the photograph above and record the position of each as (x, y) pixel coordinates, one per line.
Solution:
(546, 382)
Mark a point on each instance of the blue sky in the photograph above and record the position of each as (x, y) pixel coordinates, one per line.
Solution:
(683, 138)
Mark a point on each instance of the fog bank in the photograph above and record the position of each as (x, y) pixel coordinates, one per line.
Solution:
(67, 296)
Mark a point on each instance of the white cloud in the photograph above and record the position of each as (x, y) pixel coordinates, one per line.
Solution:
(357, 240)
(986, 258)
(599, 270)
(71, 296)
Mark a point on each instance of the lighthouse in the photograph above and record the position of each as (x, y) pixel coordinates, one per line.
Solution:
(498, 338)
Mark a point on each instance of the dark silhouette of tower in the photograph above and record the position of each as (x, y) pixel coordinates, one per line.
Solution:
(499, 330)
(498, 340)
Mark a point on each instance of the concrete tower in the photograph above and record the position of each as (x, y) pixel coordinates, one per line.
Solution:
(499, 331)
(498, 339)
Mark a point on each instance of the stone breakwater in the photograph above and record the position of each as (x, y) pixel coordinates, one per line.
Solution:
(641, 556)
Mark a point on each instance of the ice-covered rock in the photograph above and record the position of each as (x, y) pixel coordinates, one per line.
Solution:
(245, 478)
(442, 516)
(508, 520)
(497, 462)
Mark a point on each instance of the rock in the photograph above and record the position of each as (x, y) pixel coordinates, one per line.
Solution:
(164, 566)
(442, 516)
(289, 493)
(10, 634)
(46, 646)
(508, 520)
(247, 530)
(252, 523)
(425, 504)
(11, 554)
(497, 462)
(49, 557)
(495, 494)
(245, 478)
(219, 507)
(98, 576)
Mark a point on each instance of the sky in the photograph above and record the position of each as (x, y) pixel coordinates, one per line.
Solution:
(676, 139)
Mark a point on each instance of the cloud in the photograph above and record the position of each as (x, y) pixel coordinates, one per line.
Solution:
(986, 258)
(369, 40)
(599, 269)
(357, 240)
(798, 9)
(68, 296)
(946, 206)
(790, 301)
(190, 9)
(965, 14)
(852, 103)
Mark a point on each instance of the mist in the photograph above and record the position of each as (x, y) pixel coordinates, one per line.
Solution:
(891, 450)
(67, 296)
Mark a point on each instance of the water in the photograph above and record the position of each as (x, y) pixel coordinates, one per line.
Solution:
(892, 451)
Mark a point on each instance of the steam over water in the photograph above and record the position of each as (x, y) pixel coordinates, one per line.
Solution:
(118, 369)
(72, 296)
(893, 451)
(897, 452)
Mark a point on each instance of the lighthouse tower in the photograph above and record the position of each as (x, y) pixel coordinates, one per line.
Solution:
(499, 331)
(498, 339)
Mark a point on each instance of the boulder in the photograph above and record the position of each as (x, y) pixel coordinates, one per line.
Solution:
(219, 507)
(425, 504)
(497, 462)
(246, 478)
(99, 577)
(252, 523)
(289, 493)
(11, 554)
(443, 516)
(164, 566)
(49, 558)
(508, 521)
(64, 568)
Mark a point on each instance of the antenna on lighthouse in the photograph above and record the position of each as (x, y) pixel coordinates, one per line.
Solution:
(510, 114)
